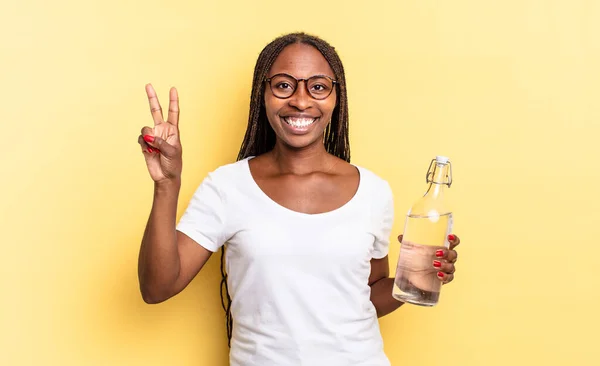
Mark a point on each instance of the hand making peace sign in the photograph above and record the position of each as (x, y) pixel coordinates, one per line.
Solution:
(161, 145)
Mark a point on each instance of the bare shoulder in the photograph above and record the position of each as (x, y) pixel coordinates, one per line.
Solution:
(343, 176)
(343, 168)
(262, 167)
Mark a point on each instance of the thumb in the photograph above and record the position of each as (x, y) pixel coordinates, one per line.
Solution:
(165, 148)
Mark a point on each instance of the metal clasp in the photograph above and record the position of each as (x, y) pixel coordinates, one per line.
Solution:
(431, 170)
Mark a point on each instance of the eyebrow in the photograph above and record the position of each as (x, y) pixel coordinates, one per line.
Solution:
(297, 78)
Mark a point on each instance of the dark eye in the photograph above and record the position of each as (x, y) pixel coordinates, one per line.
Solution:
(283, 85)
(319, 88)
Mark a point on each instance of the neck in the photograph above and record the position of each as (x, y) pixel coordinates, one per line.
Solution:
(289, 160)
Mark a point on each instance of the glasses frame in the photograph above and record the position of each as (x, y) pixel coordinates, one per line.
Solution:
(333, 81)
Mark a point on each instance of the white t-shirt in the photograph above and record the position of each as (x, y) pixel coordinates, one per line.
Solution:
(298, 282)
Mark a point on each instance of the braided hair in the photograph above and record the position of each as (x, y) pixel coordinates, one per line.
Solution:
(260, 137)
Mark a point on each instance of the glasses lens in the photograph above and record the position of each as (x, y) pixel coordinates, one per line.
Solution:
(283, 86)
(319, 87)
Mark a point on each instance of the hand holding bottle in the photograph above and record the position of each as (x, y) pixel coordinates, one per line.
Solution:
(442, 260)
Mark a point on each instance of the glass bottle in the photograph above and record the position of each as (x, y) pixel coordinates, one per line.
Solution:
(428, 224)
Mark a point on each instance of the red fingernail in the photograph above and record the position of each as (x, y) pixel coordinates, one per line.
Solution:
(150, 150)
(440, 274)
(439, 253)
(148, 138)
(437, 264)
(451, 237)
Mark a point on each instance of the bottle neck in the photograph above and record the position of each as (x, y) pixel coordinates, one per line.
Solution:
(438, 180)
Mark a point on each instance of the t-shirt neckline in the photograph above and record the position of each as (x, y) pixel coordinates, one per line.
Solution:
(268, 200)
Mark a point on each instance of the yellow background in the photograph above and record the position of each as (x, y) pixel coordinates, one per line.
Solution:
(508, 89)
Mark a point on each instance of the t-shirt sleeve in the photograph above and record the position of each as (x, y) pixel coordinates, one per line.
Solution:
(204, 218)
(384, 220)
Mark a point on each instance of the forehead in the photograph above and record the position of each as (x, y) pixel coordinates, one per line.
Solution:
(301, 61)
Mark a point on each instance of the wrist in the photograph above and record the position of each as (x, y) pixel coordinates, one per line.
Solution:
(167, 186)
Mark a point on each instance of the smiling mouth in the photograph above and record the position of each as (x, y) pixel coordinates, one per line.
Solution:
(299, 122)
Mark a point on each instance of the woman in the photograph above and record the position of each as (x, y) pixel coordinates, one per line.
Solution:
(307, 232)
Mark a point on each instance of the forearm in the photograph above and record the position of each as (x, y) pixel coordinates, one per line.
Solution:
(159, 262)
(381, 296)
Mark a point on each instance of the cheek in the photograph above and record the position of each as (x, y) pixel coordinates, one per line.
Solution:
(328, 108)
(272, 105)
(332, 102)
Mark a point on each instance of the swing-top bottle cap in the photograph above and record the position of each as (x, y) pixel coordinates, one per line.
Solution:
(441, 159)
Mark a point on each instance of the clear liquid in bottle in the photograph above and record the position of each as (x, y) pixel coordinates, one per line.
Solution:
(416, 278)
(426, 230)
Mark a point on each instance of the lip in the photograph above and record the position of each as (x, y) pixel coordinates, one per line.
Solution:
(298, 130)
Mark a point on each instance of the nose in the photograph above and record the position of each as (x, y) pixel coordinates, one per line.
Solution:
(300, 99)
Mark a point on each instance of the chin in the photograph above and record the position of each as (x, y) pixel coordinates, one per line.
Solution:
(297, 139)
(300, 142)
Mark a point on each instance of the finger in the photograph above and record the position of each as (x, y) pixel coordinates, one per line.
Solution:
(173, 117)
(445, 277)
(155, 108)
(447, 268)
(165, 148)
(442, 253)
(451, 256)
(454, 240)
(143, 144)
(447, 255)
(147, 131)
(148, 139)
(145, 147)
(148, 136)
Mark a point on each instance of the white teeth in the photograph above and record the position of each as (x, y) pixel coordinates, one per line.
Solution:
(299, 122)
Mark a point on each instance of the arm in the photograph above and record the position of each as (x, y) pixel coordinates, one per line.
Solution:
(381, 287)
(168, 259)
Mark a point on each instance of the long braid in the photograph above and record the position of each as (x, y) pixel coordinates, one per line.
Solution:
(260, 137)
(224, 289)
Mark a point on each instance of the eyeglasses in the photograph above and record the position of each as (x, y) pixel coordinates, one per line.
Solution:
(284, 86)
